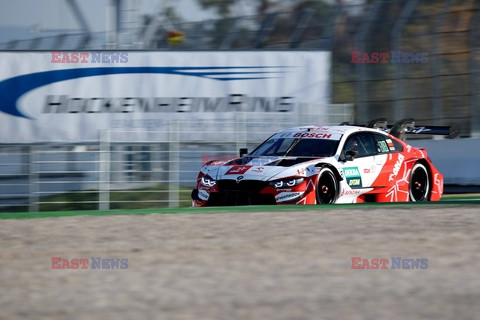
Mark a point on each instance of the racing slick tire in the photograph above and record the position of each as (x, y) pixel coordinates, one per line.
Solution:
(419, 186)
(327, 187)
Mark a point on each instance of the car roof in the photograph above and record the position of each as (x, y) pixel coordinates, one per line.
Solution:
(332, 132)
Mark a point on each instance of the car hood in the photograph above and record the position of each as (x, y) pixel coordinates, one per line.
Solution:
(263, 168)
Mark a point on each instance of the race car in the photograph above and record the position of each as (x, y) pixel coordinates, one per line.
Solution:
(318, 164)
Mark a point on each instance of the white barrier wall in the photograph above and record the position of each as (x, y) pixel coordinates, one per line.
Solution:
(72, 96)
(458, 159)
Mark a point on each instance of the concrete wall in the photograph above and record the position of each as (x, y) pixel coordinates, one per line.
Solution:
(458, 159)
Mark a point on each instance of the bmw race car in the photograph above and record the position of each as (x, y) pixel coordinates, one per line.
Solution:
(326, 164)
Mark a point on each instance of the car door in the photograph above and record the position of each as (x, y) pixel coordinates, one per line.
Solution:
(362, 170)
(388, 155)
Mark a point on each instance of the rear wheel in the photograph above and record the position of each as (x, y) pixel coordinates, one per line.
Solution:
(327, 187)
(419, 187)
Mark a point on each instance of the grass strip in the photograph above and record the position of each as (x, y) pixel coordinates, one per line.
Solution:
(450, 201)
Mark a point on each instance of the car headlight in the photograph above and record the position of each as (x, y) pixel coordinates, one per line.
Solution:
(207, 181)
(286, 183)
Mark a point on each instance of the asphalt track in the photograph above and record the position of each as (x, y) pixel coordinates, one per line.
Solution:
(245, 263)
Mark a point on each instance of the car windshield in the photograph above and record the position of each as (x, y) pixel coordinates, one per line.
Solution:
(295, 147)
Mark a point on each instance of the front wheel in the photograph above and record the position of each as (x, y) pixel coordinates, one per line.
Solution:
(419, 187)
(327, 187)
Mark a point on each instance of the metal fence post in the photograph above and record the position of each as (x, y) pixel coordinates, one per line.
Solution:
(231, 35)
(266, 28)
(475, 76)
(33, 180)
(104, 159)
(436, 66)
(240, 130)
(361, 112)
(300, 26)
(173, 164)
(407, 11)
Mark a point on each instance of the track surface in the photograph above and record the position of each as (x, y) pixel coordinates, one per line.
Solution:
(246, 265)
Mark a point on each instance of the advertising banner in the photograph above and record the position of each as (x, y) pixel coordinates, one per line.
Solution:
(73, 96)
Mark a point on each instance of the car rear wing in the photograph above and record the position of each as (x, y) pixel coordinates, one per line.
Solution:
(407, 126)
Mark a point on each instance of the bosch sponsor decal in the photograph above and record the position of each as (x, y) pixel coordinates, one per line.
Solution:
(353, 177)
(288, 196)
(316, 135)
(238, 169)
(396, 167)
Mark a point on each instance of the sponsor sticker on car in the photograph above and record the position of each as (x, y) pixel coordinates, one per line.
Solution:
(353, 177)
(238, 169)
(204, 195)
(396, 167)
(318, 135)
(287, 196)
(390, 144)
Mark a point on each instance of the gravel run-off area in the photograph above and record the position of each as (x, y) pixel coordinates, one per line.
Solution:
(245, 265)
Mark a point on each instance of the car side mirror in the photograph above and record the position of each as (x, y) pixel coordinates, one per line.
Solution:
(350, 155)
(243, 151)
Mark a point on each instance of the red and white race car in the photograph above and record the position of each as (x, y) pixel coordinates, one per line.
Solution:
(326, 164)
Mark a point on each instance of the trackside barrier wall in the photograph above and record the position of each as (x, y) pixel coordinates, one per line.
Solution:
(457, 159)
(133, 168)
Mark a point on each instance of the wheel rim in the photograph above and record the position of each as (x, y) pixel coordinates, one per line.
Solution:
(419, 184)
(327, 188)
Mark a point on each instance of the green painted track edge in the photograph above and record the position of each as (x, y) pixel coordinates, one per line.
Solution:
(447, 201)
